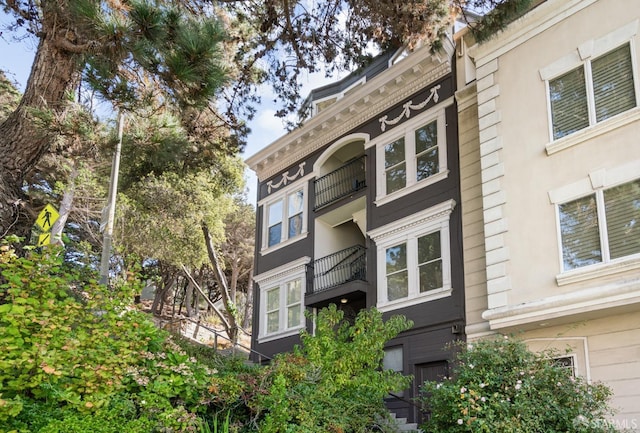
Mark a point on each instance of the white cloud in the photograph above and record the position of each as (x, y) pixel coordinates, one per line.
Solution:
(265, 129)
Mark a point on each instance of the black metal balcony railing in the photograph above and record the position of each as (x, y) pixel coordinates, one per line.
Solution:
(340, 183)
(338, 268)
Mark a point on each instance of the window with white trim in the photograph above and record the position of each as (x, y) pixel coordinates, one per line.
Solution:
(281, 300)
(601, 227)
(285, 217)
(428, 270)
(598, 89)
(413, 257)
(283, 308)
(412, 155)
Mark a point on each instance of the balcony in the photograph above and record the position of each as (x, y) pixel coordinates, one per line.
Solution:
(341, 274)
(340, 183)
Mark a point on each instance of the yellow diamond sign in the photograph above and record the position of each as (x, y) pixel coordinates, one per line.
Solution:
(47, 217)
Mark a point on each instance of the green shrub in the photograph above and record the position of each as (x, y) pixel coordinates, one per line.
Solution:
(74, 348)
(499, 386)
(77, 358)
(65, 340)
(333, 382)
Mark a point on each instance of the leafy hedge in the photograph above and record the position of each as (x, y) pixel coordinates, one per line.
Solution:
(76, 354)
(78, 358)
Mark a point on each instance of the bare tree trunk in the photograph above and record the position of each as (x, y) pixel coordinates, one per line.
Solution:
(196, 302)
(65, 207)
(229, 304)
(248, 305)
(22, 142)
(188, 300)
(233, 284)
(161, 294)
(222, 316)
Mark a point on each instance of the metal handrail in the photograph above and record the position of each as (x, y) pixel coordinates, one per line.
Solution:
(217, 334)
(406, 400)
(340, 183)
(338, 268)
(341, 262)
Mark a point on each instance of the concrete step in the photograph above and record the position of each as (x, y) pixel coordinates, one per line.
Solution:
(401, 425)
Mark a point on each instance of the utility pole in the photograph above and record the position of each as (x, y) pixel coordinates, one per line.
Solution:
(111, 206)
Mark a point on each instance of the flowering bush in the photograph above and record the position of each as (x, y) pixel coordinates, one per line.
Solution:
(499, 386)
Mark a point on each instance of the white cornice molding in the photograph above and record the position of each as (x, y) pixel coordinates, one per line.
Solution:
(408, 106)
(537, 21)
(281, 272)
(612, 295)
(286, 178)
(385, 90)
(437, 213)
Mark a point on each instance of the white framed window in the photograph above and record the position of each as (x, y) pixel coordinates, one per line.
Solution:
(285, 217)
(587, 87)
(571, 353)
(283, 308)
(600, 227)
(282, 300)
(598, 89)
(413, 257)
(411, 156)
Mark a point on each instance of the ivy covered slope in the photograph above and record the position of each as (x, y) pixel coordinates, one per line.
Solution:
(78, 358)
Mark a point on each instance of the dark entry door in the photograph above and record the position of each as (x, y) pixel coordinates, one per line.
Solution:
(429, 371)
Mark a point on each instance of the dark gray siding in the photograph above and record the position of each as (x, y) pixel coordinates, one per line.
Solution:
(436, 323)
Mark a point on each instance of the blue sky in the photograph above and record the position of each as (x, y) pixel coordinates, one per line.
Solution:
(16, 59)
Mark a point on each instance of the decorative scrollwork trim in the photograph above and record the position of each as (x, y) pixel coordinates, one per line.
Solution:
(286, 178)
(408, 106)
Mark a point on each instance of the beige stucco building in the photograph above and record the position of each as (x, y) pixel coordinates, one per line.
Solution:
(549, 133)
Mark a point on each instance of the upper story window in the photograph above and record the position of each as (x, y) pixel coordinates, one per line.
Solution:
(600, 227)
(428, 251)
(593, 89)
(413, 257)
(285, 217)
(596, 90)
(291, 219)
(412, 156)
